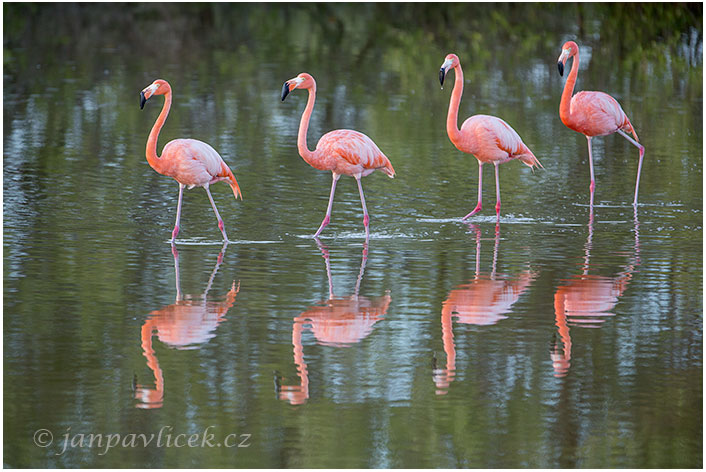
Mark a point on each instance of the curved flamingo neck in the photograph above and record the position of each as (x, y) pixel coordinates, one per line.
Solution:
(304, 151)
(151, 152)
(565, 105)
(452, 118)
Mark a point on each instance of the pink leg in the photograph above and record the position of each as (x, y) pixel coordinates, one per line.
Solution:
(178, 217)
(480, 192)
(221, 226)
(639, 165)
(497, 192)
(366, 218)
(592, 187)
(327, 218)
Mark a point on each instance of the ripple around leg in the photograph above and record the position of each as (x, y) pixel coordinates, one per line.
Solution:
(213, 242)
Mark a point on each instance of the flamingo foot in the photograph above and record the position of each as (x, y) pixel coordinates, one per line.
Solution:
(323, 225)
(475, 210)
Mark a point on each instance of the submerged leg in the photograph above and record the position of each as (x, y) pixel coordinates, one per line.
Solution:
(639, 165)
(592, 187)
(497, 192)
(178, 217)
(327, 218)
(221, 226)
(480, 192)
(366, 218)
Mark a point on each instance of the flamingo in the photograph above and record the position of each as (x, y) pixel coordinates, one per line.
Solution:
(342, 151)
(189, 161)
(488, 138)
(593, 113)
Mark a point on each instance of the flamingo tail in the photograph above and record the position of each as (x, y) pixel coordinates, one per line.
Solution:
(389, 170)
(627, 127)
(230, 178)
(528, 158)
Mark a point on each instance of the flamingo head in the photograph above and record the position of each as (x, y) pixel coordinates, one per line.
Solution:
(450, 62)
(158, 87)
(303, 80)
(568, 50)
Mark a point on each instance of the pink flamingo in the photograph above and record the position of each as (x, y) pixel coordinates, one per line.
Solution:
(189, 161)
(488, 138)
(593, 113)
(342, 151)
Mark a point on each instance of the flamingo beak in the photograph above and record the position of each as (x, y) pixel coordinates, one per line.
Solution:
(444, 69)
(562, 60)
(142, 100)
(285, 90)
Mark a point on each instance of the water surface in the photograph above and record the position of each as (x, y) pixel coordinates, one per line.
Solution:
(549, 338)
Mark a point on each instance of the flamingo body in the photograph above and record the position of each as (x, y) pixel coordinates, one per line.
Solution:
(490, 139)
(342, 152)
(596, 114)
(194, 163)
(190, 162)
(350, 152)
(593, 114)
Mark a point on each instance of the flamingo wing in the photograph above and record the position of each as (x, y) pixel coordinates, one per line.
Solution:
(354, 149)
(597, 113)
(491, 139)
(192, 162)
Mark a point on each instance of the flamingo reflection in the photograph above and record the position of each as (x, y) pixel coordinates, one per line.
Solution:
(586, 300)
(338, 321)
(484, 300)
(185, 324)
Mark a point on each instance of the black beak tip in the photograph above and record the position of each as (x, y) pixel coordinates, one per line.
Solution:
(442, 74)
(285, 90)
(142, 100)
(561, 68)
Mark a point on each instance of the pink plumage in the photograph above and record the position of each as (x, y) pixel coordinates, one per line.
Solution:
(188, 161)
(342, 152)
(593, 114)
(488, 138)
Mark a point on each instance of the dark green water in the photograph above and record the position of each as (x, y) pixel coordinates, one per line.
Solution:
(548, 340)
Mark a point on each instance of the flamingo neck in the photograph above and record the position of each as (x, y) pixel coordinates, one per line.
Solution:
(151, 152)
(304, 151)
(452, 118)
(565, 105)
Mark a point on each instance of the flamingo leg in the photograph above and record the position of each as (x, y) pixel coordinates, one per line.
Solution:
(366, 218)
(497, 192)
(178, 217)
(480, 192)
(592, 187)
(221, 226)
(327, 218)
(639, 165)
